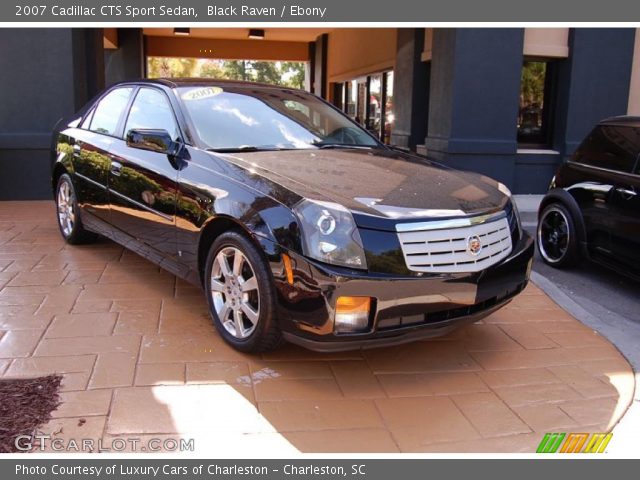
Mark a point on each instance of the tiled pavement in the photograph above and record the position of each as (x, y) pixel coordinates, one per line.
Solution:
(141, 360)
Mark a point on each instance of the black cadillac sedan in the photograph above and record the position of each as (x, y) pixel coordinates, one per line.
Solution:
(592, 209)
(297, 223)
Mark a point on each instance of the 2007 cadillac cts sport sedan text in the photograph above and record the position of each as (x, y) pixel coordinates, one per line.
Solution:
(298, 224)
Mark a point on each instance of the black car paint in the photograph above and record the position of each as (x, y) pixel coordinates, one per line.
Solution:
(168, 208)
(605, 205)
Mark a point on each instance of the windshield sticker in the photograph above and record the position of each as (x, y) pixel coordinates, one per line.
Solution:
(202, 93)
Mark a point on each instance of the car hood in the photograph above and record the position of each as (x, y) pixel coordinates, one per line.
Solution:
(377, 183)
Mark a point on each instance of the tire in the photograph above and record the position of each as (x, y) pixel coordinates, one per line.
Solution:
(557, 237)
(68, 213)
(244, 316)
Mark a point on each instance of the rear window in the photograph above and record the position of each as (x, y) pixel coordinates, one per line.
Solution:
(614, 147)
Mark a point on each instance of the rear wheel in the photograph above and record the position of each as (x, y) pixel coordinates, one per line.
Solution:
(241, 294)
(68, 214)
(556, 236)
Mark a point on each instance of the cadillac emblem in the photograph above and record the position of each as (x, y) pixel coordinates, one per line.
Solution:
(474, 245)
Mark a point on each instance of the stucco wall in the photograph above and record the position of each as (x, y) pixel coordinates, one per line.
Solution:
(538, 42)
(358, 51)
(227, 49)
(546, 42)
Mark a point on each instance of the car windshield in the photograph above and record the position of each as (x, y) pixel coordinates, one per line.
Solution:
(257, 118)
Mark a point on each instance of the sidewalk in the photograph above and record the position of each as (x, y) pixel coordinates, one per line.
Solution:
(528, 208)
(623, 333)
(140, 359)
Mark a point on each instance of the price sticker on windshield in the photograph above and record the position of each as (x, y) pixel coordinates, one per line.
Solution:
(202, 93)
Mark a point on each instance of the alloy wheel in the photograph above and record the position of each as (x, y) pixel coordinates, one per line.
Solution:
(66, 210)
(235, 293)
(554, 235)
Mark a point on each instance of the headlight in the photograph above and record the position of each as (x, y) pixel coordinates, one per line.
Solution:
(330, 234)
(514, 220)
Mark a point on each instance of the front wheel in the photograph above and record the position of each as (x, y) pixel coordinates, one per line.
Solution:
(241, 294)
(556, 236)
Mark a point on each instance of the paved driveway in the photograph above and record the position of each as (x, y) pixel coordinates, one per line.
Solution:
(141, 360)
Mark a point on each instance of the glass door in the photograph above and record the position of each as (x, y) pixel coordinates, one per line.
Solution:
(374, 123)
(369, 101)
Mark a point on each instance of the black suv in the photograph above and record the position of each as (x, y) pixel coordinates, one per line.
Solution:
(592, 208)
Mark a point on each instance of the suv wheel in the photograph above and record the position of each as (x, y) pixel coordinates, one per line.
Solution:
(556, 236)
(241, 294)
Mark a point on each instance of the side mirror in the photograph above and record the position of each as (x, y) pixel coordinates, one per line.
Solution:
(150, 139)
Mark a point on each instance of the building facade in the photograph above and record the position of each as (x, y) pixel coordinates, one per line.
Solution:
(510, 103)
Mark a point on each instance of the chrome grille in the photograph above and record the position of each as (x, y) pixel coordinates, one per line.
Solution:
(444, 246)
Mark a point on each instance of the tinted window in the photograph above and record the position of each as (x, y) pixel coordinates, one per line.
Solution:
(151, 109)
(610, 146)
(87, 120)
(267, 118)
(106, 116)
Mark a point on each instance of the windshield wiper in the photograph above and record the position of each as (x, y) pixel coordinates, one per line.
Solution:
(242, 148)
(253, 148)
(341, 145)
(247, 148)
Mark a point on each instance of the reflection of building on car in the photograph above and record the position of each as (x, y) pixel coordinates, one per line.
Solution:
(592, 208)
(297, 222)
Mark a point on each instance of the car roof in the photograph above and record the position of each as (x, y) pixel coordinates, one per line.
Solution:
(203, 82)
(628, 120)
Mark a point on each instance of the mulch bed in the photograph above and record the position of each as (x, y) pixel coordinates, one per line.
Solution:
(25, 404)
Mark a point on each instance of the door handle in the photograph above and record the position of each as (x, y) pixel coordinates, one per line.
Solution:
(116, 168)
(626, 191)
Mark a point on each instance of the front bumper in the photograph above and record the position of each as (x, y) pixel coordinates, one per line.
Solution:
(404, 308)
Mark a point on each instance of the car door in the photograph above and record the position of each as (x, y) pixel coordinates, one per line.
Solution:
(590, 181)
(625, 234)
(142, 183)
(92, 141)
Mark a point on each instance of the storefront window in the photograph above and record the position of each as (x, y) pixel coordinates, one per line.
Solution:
(361, 110)
(536, 85)
(388, 108)
(351, 98)
(369, 101)
(375, 103)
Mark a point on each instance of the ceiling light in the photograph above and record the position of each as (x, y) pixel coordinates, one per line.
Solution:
(256, 34)
(182, 32)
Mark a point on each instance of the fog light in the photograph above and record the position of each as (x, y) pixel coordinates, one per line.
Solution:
(352, 314)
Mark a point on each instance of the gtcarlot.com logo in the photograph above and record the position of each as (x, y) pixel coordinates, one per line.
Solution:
(574, 442)
(30, 443)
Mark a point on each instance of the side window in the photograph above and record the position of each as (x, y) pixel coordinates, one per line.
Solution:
(151, 109)
(613, 147)
(87, 120)
(107, 113)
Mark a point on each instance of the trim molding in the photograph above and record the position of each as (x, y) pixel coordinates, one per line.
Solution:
(88, 180)
(143, 206)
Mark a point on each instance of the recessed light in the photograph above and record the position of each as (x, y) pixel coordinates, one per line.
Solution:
(182, 32)
(256, 34)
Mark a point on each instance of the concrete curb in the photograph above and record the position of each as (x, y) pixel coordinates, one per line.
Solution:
(624, 335)
(621, 332)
